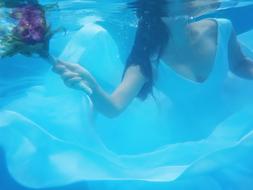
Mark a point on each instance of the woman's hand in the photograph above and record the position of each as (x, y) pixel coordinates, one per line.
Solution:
(111, 105)
(76, 76)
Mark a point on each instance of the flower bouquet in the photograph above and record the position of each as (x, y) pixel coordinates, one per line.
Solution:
(26, 30)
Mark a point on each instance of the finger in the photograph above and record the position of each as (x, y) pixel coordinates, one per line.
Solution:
(69, 75)
(74, 67)
(60, 62)
(66, 64)
(74, 81)
(84, 87)
(79, 84)
(59, 68)
(59, 65)
(69, 65)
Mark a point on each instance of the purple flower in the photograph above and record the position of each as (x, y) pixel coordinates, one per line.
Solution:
(31, 27)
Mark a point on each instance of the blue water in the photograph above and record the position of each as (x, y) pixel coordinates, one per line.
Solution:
(44, 126)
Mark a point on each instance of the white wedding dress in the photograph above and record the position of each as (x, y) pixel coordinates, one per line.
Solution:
(190, 134)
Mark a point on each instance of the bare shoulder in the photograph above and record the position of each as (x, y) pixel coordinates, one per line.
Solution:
(205, 27)
(204, 35)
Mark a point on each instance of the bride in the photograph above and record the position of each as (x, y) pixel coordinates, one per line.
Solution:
(49, 139)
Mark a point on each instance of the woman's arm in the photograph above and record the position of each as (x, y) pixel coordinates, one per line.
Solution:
(110, 105)
(240, 64)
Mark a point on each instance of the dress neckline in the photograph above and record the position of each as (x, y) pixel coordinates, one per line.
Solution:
(182, 77)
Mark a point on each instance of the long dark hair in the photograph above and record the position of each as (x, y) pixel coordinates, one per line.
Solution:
(151, 37)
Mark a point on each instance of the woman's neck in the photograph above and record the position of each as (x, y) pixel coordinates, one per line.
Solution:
(179, 29)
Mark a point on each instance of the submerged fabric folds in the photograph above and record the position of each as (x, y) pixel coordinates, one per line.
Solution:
(52, 137)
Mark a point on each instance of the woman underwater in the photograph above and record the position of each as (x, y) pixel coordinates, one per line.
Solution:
(192, 64)
(193, 57)
(76, 155)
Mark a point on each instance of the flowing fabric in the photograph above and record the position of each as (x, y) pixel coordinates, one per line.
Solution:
(190, 135)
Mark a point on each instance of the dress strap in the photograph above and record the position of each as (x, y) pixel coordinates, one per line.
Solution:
(225, 28)
(221, 63)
